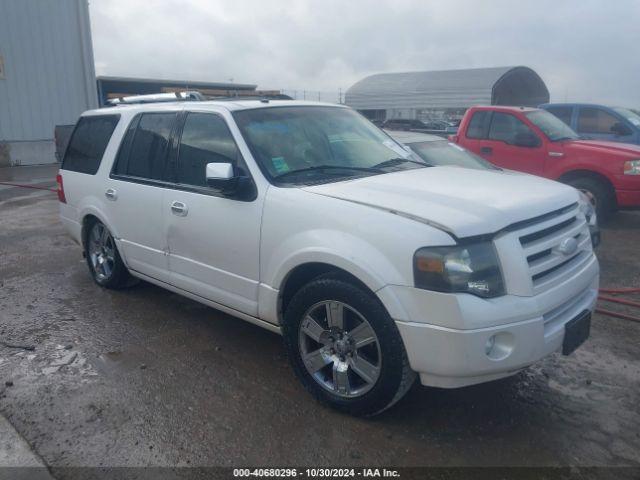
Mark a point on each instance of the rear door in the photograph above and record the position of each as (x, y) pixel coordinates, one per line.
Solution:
(213, 240)
(135, 189)
(476, 130)
(502, 145)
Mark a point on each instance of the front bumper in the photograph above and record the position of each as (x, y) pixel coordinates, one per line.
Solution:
(446, 335)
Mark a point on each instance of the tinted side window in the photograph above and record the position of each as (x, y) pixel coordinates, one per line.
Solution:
(594, 120)
(88, 143)
(505, 127)
(477, 124)
(205, 139)
(563, 113)
(149, 146)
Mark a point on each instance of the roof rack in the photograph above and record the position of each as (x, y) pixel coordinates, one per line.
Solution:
(188, 96)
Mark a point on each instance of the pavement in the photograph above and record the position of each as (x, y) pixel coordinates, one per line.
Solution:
(144, 377)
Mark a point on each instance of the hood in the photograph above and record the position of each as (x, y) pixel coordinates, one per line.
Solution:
(464, 202)
(624, 149)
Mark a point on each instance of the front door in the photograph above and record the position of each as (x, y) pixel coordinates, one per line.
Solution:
(213, 240)
(511, 144)
(599, 124)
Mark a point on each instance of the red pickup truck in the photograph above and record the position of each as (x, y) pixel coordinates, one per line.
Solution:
(534, 141)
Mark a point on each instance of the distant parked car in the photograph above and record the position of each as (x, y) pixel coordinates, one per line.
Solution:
(404, 124)
(435, 127)
(533, 141)
(441, 126)
(436, 151)
(598, 122)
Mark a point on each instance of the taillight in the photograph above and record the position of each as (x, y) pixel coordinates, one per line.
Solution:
(60, 189)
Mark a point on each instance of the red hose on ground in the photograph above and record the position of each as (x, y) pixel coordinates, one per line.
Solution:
(618, 315)
(620, 290)
(28, 186)
(622, 301)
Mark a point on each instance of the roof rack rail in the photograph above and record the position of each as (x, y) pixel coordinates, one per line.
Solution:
(231, 98)
(187, 96)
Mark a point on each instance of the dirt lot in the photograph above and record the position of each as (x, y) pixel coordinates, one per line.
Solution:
(146, 377)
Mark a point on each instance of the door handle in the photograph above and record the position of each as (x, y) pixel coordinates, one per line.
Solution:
(179, 209)
(111, 194)
(486, 150)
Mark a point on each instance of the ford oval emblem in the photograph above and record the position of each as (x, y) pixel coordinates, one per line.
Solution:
(568, 246)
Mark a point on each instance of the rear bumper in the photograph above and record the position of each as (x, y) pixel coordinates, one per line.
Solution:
(525, 330)
(73, 227)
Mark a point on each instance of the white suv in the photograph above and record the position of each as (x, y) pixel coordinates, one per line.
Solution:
(306, 219)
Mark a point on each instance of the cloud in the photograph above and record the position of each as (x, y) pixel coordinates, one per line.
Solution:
(583, 49)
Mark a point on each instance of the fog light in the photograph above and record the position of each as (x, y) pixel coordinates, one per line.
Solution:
(499, 346)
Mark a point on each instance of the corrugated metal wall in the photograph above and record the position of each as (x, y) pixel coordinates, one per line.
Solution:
(49, 75)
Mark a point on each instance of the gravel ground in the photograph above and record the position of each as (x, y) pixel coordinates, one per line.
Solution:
(145, 377)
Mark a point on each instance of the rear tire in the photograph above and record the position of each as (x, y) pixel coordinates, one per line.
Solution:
(361, 368)
(604, 198)
(103, 259)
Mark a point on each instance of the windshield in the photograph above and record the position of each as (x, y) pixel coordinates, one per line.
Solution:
(319, 144)
(554, 128)
(632, 117)
(442, 152)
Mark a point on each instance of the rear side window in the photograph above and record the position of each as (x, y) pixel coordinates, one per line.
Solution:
(563, 113)
(477, 124)
(145, 146)
(205, 139)
(88, 143)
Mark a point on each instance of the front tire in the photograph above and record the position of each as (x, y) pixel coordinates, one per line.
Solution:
(103, 259)
(345, 348)
(603, 198)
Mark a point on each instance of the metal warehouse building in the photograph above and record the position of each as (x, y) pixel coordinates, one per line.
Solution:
(444, 94)
(47, 75)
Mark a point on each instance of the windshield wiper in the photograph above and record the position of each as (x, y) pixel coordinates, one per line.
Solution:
(561, 139)
(329, 167)
(398, 160)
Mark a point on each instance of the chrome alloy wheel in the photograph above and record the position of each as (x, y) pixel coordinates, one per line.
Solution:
(101, 251)
(340, 349)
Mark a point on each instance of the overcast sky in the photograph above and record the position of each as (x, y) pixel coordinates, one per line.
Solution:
(585, 50)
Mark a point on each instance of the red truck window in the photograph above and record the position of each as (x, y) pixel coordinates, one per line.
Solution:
(477, 125)
(506, 127)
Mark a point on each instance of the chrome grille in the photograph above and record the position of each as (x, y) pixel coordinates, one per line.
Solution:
(545, 245)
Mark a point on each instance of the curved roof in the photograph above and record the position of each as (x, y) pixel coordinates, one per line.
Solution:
(449, 89)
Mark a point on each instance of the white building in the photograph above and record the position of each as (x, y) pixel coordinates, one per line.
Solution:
(443, 94)
(47, 75)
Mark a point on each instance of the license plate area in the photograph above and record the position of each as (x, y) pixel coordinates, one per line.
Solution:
(576, 331)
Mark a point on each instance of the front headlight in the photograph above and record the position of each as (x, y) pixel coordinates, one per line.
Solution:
(632, 167)
(461, 268)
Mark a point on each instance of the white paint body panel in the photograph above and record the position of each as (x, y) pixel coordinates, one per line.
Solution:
(238, 255)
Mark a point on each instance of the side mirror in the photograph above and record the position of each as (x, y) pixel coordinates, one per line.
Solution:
(222, 177)
(526, 139)
(620, 129)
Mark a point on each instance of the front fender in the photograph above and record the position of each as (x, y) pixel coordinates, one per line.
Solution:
(344, 251)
